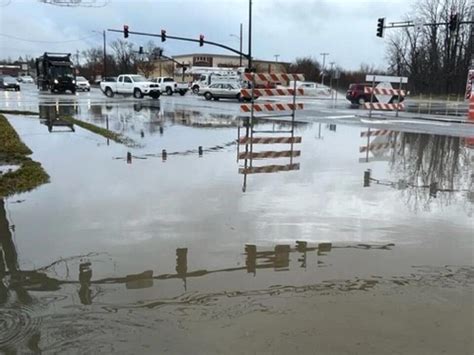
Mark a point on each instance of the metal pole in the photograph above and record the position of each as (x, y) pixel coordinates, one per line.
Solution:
(324, 63)
(250, 35)
(399, 95)
(241, 34)
(372, 96)
(105, 54)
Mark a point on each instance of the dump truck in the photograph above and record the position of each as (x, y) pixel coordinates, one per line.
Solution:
(55, 72)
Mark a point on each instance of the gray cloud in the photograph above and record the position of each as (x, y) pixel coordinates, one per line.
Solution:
(345, 29)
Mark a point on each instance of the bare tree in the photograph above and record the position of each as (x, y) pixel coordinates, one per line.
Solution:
(436, 58)
(125, 56)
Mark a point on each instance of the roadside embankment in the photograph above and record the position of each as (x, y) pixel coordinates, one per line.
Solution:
(13, 151)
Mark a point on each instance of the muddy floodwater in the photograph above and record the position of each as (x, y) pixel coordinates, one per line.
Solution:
(360, 243)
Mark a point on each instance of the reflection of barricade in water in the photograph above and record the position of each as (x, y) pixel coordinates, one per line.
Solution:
(50, 116)
(248, 154)
(379, 148)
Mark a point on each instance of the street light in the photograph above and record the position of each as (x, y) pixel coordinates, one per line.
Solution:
(324, 63)
(240, 41)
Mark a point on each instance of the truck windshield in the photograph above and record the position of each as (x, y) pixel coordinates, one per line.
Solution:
(62, 71)
(137, 78)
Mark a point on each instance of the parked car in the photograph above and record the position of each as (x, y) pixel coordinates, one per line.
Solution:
(131, 84)
(218, 91)
(356, 95)
(26, 79)
(82, 84)
(9, 83)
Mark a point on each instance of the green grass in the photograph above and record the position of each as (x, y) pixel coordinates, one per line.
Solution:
(10, 143)
(29, 175)
(114, 136)
(19, 112)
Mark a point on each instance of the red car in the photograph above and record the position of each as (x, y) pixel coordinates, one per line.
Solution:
(356, 95)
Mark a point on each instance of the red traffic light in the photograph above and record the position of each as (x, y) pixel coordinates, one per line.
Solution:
(125, 31)
(163, 35)
(201, 40)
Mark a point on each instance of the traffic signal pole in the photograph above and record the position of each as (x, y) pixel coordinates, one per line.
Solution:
(248, 56)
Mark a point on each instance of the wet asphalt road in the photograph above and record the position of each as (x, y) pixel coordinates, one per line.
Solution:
(171, 254)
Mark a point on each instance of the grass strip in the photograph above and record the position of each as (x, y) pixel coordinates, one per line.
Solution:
(29, 175)
(114, 136)
(19, 112)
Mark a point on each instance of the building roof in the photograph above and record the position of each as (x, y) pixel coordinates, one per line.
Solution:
(227, 56)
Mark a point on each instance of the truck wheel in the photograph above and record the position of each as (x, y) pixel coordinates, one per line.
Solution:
(361, 100)
(182, 92)
(155, 96)
(137, 94)
(109, 92)
(196, 89)
(208, 96)
(169, 91)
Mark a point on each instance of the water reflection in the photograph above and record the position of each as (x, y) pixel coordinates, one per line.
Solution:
(51, 116)
(424, 167)
(248, 152)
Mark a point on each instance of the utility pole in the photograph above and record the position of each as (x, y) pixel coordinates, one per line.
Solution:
(330, 81)
(324, 64)
(250, 34)
(105, 55)
(240, 42)
(276, 57)
(240, 37)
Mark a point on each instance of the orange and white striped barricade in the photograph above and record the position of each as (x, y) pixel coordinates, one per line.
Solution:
(384, 107)
(385, 91)
(247, 93)
(269, 169)
(270, 140)
(270, 107)
(376, 133)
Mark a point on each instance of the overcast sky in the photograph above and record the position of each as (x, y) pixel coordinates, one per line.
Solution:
(291, 28)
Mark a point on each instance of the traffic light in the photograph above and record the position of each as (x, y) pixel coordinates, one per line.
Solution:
(160, 53)
(380, 25)
(201, 40)
(453, 22)
(125, 31)
(163, 35)
(140, 50)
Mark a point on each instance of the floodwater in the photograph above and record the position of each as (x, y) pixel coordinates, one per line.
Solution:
(185, 254)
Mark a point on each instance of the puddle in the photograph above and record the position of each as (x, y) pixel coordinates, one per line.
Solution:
(131, 239)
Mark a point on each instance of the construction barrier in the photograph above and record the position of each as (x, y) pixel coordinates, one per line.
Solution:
(269, 140)
(385, 107)
(270, 154)
(269, 169)
(379, 132)
(270, 92)
(377, 146)
(270, 107)
(273, 77)
(384, 91)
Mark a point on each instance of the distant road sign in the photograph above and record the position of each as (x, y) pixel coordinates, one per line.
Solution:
(386, 78)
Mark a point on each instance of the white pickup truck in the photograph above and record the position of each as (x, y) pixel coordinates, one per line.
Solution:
(169, 86)
(131, 84)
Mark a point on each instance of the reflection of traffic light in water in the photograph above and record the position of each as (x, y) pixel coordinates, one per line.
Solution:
(281, 260)
(182, 264)
(251, 258)
(85, 276)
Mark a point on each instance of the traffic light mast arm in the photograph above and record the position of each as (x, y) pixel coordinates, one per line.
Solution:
(411, 24)
(185, 39)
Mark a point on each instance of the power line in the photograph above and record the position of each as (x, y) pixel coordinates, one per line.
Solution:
(39, 41)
